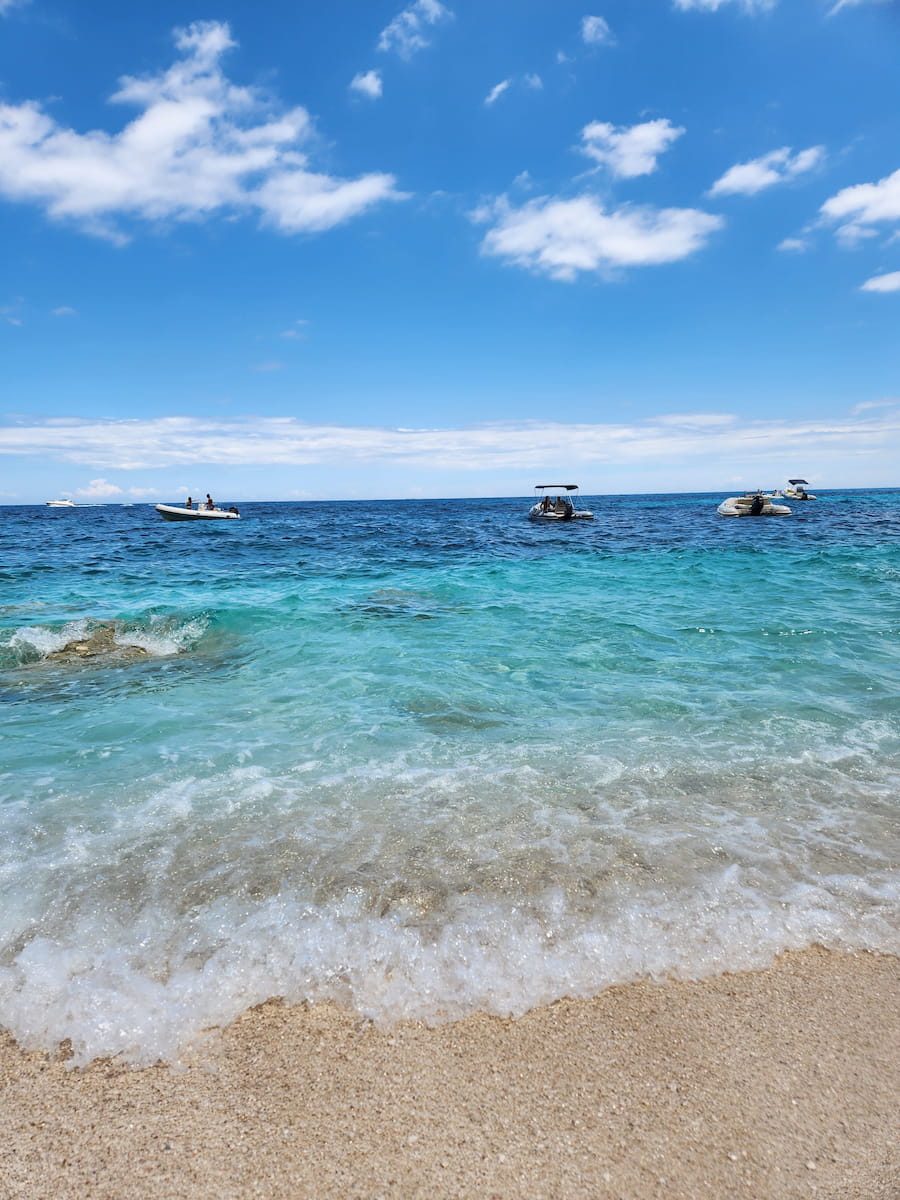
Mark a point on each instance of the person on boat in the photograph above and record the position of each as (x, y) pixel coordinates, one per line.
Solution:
(756, 505)
(189, 503)
(209, 502)
(568, 509)
(546, 504)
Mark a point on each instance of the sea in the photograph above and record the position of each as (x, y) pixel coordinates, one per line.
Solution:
(425, 758)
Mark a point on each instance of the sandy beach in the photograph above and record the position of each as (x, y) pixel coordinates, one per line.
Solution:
(772, 1084)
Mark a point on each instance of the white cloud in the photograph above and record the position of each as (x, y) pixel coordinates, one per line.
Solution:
(596, 32)
(534, 81)
(628, 150)
(749, 6)
(367, 84)
(853, 4)
(496, 91)
(882, 283)
(8, 5)
(778, 166)
(297, 331)
(189, 442)
(63, 311)
(792, 245)
(562, 238)
(406, 33)
(200, 145)
(857, 209)
(99, 489)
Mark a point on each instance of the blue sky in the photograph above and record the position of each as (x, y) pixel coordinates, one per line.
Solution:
(362, 249)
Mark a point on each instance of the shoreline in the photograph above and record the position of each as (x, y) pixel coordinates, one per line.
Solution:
(765, 1085)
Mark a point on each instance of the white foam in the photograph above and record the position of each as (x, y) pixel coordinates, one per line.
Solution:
(131, 928)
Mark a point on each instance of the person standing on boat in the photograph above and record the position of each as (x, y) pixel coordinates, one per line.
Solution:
(209, 502)
(189, 503)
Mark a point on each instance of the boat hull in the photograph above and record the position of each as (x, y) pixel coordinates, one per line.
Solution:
(537, 515)
(742, 506)
(171, 512)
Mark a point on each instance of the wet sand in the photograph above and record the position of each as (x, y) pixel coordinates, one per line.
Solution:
(766, 1086)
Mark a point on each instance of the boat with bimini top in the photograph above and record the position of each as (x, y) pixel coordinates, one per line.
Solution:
(796, 490)
(556, 502)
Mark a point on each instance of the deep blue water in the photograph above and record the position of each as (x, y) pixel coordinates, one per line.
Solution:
(426, 758)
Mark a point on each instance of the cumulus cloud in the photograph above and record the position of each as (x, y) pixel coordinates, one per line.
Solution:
(284, 441)
(8, 5)
(778, 166)
(99, 489)
(596, 32)
(563, 238)
(406, 34)
(883, 283)
(496, 91)
(367, 84)
(534, 81)
(856, 211)
(199, 145)
(628, 150)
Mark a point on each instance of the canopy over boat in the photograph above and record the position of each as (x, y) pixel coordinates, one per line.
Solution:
(805, 482)
(555, 504)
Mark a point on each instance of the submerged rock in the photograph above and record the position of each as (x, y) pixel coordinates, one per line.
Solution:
(100, 642)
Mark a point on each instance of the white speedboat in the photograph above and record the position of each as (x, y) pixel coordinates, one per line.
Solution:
(177, 512)
(796, 490)
(61, 504)
(556, 502)
(752, 504)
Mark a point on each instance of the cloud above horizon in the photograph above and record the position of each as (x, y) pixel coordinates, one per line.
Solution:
(200, 145)
(129, 445)
(406, 33)
(882, 283)
(565, 237)
(778, 166)
(595, 31)
(628, 150)
(749, 6)
(367, 83)
(857, 210)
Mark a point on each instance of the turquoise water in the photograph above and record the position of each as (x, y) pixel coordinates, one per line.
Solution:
(427, 758)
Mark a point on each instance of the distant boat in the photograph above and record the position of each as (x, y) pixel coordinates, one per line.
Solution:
(61, 504)
(556, 502)
(177, 512)
(796, 490)
(752, 504)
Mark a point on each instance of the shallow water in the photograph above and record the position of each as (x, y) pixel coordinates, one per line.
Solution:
(426, 758)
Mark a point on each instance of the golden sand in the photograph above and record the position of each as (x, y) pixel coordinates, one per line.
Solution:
(761, 1086)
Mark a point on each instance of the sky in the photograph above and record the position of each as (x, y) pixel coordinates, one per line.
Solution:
(358, 249)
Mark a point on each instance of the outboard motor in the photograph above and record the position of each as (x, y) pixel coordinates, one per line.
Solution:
(757, 505)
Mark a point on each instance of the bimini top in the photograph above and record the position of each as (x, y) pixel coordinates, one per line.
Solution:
(563, 487)
(796, 481)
